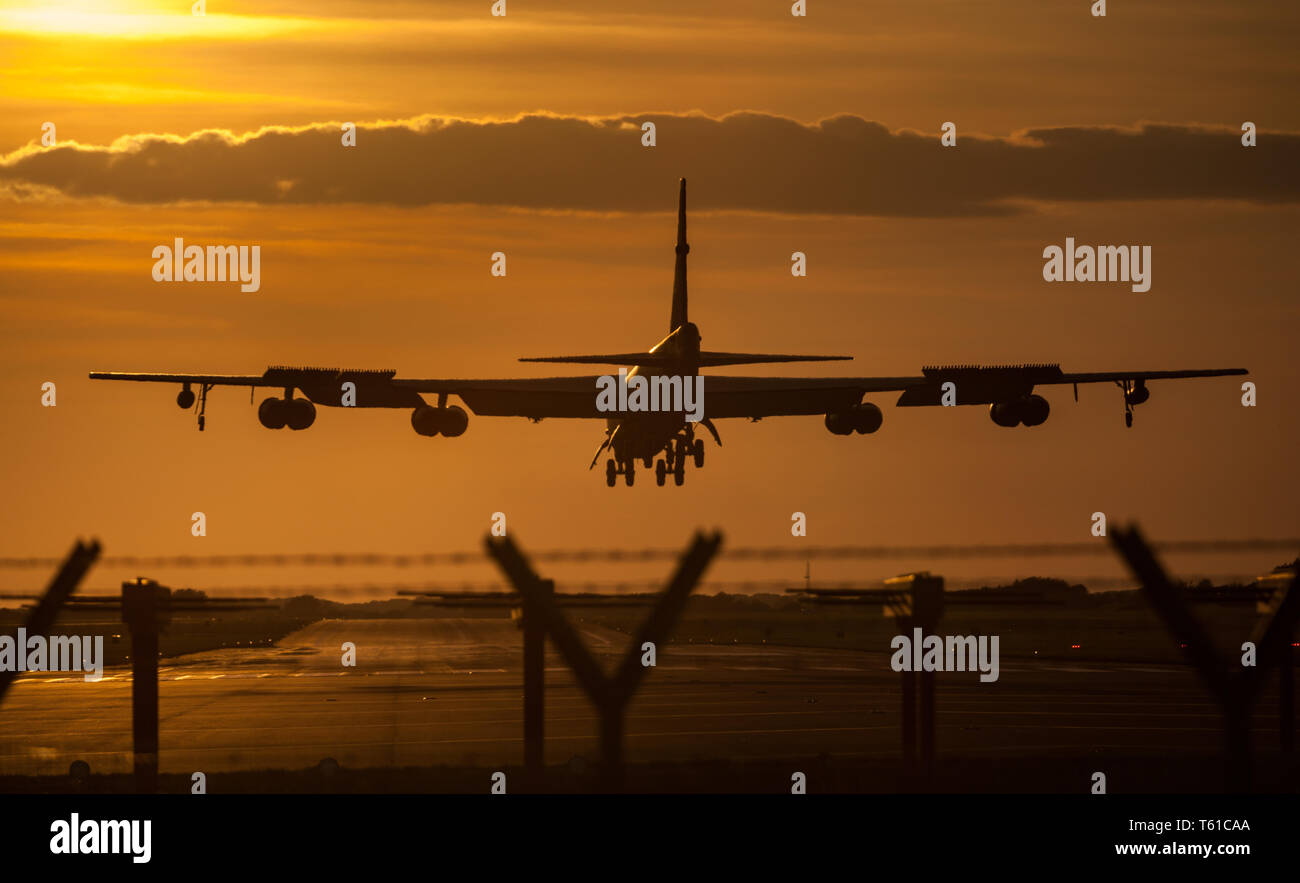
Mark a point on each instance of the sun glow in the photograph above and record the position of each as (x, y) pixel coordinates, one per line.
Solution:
(133, 21)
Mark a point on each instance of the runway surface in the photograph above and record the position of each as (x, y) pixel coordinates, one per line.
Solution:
(449, 692)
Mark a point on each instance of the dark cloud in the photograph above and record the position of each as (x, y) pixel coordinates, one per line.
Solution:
(750, 161)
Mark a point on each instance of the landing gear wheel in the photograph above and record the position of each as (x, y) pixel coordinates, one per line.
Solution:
(698, 451)
(679, 471)
(648, 461)
(661, 472)
(611, 473)
(1128, 419)
(629, 472)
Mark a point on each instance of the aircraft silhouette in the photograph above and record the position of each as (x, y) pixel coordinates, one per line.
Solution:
(632, 435)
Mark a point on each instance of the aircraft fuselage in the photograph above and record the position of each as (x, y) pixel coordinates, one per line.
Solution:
(645, 434)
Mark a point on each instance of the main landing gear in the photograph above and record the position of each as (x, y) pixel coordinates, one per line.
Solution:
(680, 449)
(614, 469)
(674, 460)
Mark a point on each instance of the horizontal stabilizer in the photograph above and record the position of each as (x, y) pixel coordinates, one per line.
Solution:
(713, 359)
(608, 359)
(665, 360)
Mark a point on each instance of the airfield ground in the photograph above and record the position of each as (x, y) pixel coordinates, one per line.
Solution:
(435, 705)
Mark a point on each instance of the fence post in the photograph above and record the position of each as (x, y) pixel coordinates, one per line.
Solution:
(1286, 698)
(535, 680)
(609, 695)
(43, 614)
(1234, 688)
(144, 605)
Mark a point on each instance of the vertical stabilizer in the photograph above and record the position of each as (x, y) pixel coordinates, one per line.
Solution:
(679, 274)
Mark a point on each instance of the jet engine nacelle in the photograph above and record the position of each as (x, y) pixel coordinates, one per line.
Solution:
(1030, 410)
(1034, 410)
(867, 418)
(840, 423)
(454, 421)
(300, 413)
(1005, 413)
(862, 419)
(424, 420)
(273, 413)
(277, 413)
(430, 421)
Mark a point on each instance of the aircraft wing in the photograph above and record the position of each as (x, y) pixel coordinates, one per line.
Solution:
(517, 397)
(757, 397)
(533, 397)
(210, 379)
(724, 396)
(981, 385)
(541, 397)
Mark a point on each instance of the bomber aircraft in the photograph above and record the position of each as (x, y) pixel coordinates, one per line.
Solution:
(664, 437)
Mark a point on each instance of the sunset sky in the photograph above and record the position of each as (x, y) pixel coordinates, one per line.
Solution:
(522, 134)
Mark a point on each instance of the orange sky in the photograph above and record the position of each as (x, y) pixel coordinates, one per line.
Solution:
(383, 262)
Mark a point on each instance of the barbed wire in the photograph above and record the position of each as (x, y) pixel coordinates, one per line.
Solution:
(1095, 547)
(390, 591)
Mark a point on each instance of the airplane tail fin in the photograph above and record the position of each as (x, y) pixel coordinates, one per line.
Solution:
(673, 357)
(679, 273)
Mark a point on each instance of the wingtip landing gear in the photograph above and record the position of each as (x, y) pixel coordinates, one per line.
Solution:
(1135, 393)
(187, 399)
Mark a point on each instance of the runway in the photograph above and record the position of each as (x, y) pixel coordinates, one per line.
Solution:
(449, 692)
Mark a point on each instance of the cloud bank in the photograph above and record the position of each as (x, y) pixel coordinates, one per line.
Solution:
(746, 161)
